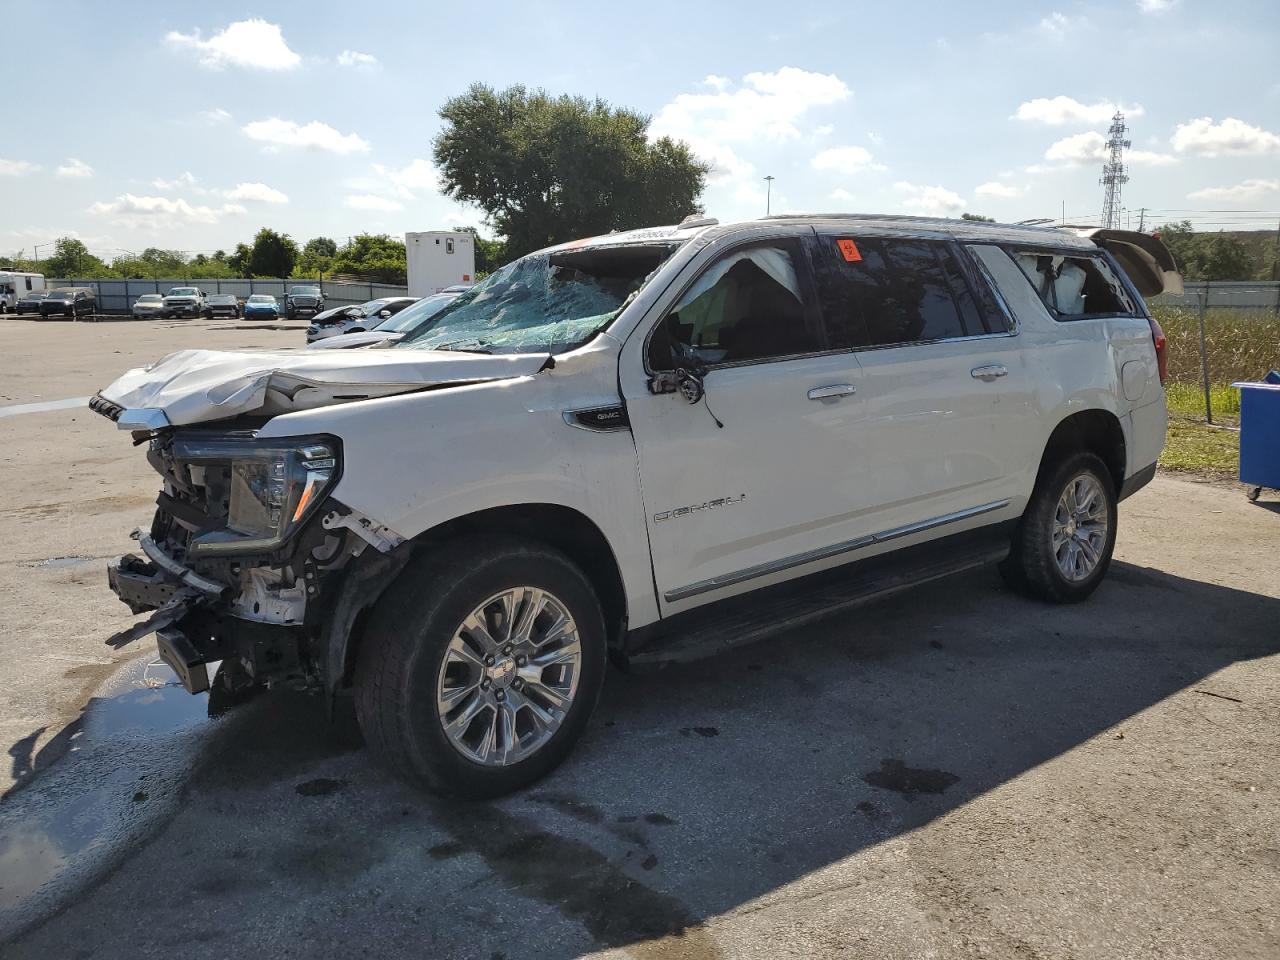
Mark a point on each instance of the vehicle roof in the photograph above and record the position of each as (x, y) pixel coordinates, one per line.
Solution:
(222, 296)
(972, 230)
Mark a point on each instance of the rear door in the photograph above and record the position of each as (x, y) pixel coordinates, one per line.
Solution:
(948, 421)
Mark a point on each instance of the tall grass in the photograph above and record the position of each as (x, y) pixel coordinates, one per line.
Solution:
(1240, 345)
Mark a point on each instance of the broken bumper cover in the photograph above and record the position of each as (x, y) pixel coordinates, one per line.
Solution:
(158, 583)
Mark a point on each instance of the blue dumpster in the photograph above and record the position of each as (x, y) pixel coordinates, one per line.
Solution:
(1260, 434)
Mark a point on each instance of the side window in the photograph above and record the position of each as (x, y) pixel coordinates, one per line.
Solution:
(1074, 287)
(748, 305)
(28, 283)
(880, 292)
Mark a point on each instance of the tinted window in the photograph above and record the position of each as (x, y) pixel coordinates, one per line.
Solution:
(748, 305)
(1074, 287)
(878, 292)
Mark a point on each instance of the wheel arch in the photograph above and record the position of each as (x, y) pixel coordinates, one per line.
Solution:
(554, 525)
(1097, 431)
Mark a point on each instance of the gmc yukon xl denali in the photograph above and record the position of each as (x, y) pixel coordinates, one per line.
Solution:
(650, 446)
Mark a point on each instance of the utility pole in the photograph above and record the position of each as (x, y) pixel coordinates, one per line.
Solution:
(768, 194)
(1142, 219)
(1113, 175)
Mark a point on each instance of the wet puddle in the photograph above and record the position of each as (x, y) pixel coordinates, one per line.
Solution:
(96, 788)
(909, 781)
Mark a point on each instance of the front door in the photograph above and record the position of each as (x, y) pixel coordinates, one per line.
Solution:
(753, 479)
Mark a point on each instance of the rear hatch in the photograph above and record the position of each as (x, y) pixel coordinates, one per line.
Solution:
(1144, 258)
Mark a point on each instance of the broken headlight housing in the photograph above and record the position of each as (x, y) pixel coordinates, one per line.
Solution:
(269, 487)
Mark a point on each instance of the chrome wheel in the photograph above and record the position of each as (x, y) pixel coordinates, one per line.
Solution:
(509, 676)
(1080, 527)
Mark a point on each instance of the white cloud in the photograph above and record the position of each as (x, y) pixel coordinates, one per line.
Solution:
(764, 107)
(824, 131)
(216, 115)
(354, 58)
(131, 209)
(1155, 6)
(844, 160)
(419, 174)
(993, 188)
(183, 181)
(367, 201)
(840, 193)
(17, 168)
(875, 138)
(1057, 25)
(1231, 137)
(1091, 147)
(75, 169)
(256, 193)
(277, 133)
(937, 201)
(1247, 191)
(253, 44)
(1059, 111)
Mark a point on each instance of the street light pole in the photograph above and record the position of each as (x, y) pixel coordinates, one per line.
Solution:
(768, 194)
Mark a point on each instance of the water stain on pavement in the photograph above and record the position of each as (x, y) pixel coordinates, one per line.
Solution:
(320, 787)
(909, 781)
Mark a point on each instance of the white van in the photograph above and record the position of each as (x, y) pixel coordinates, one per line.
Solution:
(14, 285)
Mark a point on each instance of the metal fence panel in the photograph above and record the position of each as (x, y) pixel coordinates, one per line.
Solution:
(119, 296)
(1230, 295)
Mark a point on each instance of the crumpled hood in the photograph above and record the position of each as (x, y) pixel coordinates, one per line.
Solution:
(193, 386)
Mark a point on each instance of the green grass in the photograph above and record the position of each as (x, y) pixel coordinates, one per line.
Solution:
(1193, 446)
(1187, 399)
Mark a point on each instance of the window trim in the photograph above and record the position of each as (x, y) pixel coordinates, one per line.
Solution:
(983, 275)
(1137, 303)
(808, 301)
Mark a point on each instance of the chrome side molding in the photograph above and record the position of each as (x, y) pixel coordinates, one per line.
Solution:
(826, 553)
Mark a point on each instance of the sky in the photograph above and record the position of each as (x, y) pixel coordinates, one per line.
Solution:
(191, 125)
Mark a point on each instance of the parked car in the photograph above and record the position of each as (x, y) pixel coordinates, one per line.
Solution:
(15, 285)
(149, 306)
(184, 302)
(652, 445)
(73, 302)
(391, 330)
(30, 302)
(261, 306)
(303, 300)
(221, 305)
(357, 319)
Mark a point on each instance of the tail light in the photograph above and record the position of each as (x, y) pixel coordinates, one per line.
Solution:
(1162, 349)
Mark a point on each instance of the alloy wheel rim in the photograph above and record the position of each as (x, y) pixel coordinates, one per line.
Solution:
(1080, 528)
(509, 676)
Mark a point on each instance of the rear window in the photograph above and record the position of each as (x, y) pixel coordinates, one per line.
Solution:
(1075, 287)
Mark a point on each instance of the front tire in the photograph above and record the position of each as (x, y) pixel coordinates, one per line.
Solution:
(1064, 541)
(481, 666)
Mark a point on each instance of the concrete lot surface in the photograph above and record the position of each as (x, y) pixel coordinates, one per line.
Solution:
(956, 772)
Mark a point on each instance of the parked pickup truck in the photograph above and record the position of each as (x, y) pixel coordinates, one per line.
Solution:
(652, 445)
(184, 302)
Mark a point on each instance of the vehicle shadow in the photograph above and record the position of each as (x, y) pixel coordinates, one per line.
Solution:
(699, 790)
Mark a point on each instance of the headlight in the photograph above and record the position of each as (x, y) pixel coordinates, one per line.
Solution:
(271, 488)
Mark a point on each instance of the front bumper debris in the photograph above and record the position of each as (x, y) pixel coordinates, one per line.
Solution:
(184, 659)
(175, 569)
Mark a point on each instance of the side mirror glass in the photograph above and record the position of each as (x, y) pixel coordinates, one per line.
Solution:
(384, 314)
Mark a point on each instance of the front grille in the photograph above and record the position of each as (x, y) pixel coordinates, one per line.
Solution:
(100, 404)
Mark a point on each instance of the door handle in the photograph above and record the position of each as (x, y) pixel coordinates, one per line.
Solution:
(992, 371)
(833, 392)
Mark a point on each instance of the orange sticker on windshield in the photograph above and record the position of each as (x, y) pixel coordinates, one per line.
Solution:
(849, 249)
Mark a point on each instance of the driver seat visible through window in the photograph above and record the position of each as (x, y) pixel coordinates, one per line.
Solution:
(746, 306)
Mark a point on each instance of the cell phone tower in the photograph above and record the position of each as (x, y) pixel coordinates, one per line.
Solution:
(1113, 175)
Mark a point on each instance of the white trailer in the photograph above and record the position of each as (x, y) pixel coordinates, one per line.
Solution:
(13, 285)
(439, 259)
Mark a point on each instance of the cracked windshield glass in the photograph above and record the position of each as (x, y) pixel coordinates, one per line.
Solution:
(546, 303)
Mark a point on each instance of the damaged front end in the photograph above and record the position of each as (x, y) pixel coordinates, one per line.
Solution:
(244, 558)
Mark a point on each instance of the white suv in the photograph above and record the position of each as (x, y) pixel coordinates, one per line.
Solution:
(652, 445)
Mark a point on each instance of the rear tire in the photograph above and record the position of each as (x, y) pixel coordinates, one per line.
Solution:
(420, 667)
(1064, 541)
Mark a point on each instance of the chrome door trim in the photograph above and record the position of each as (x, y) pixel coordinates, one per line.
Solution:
(826, 553)
(832, 391)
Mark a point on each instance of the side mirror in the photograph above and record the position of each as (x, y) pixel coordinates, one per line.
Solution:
(384, 314)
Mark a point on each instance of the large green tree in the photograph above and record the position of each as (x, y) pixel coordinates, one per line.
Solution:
(375, 257)
(316, 258)
(1207, 256)
(549, 169)
(272, 254)
(72, 259)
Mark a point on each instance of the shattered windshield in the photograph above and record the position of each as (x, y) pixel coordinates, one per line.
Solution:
(544, 303)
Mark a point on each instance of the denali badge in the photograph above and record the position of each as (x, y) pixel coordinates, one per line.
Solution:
(709, 505)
